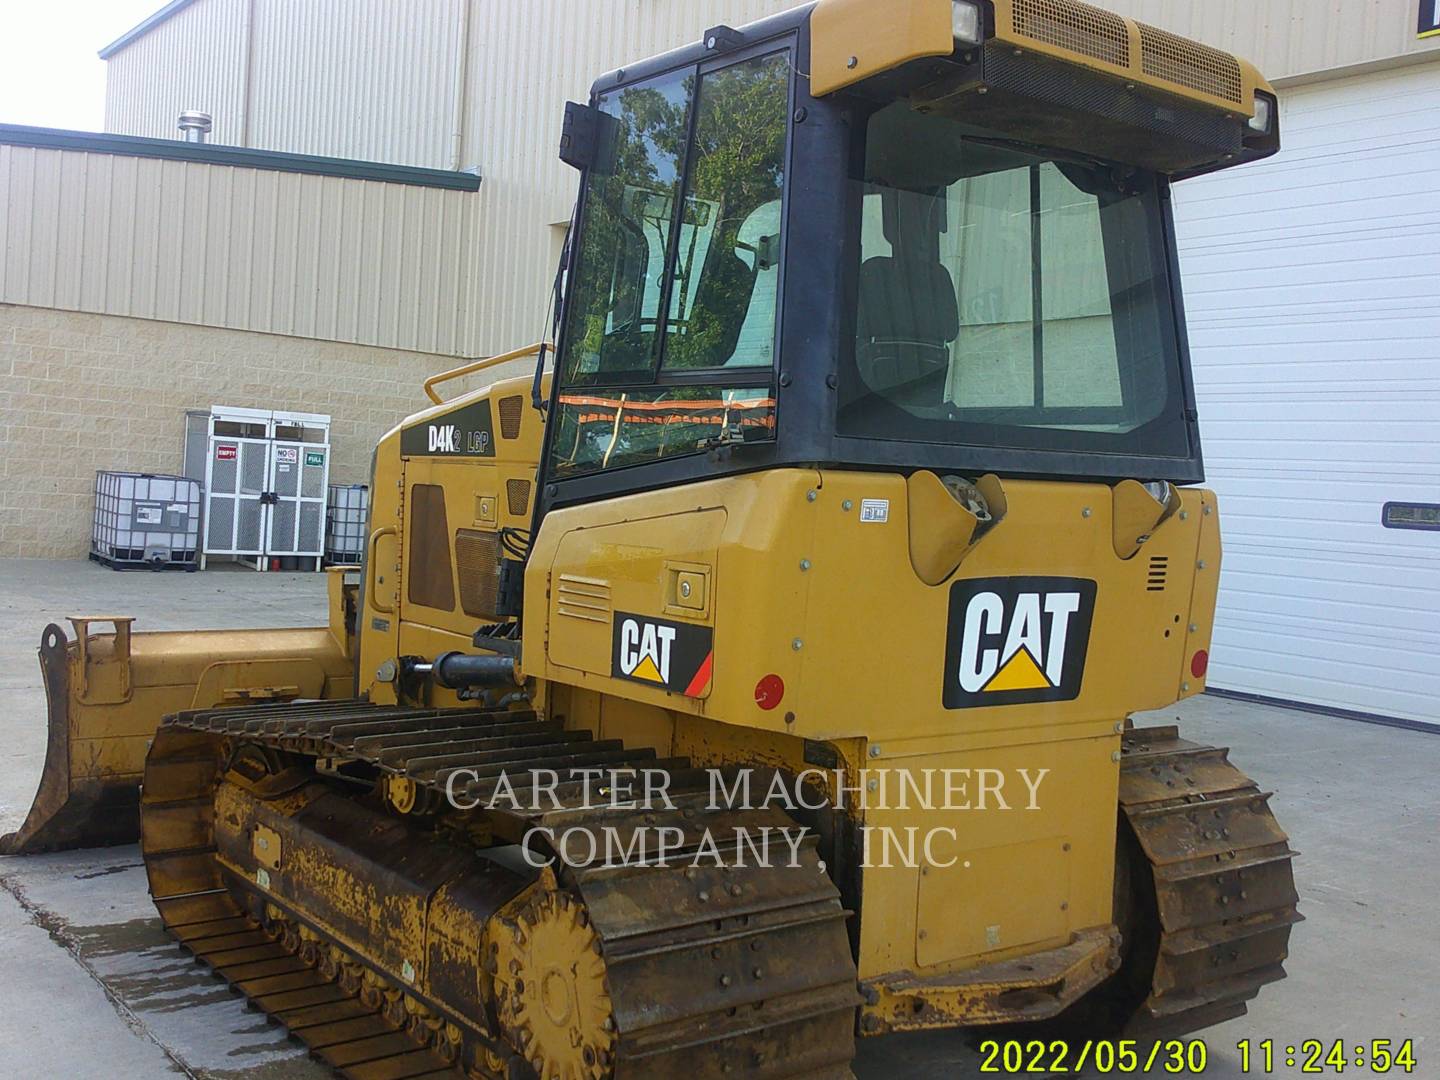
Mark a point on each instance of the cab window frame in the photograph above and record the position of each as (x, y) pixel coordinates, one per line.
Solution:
(660, 377)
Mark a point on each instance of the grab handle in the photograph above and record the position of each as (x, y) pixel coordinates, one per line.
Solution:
(371, 596)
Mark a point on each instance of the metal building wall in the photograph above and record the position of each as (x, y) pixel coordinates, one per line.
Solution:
(276, 252)
(373, 80)
(193, 60)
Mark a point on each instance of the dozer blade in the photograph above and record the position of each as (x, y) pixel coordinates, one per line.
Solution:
(106, 693)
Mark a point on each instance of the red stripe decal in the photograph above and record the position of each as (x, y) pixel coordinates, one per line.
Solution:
(702, 677)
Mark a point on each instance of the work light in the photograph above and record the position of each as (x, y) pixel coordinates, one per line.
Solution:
(1264, 117)
(965, 21)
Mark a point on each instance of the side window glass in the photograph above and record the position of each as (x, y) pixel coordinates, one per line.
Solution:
(629, 208)
(723, 300)
(719, 300)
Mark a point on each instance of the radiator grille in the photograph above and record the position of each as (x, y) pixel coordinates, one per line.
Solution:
(511, 409)
(1159, 573)
(477, 562)
(1190, 64)
(583, 598)
(517, 494)
(1079, 28)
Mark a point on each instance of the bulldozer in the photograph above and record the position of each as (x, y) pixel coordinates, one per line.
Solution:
(853, 512)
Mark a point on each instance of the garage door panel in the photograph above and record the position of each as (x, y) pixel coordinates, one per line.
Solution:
(1310, 284)
(1351, 606)
(1326, 688)
(1367, 660)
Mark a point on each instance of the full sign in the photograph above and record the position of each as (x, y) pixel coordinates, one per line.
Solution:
(669, 655)
(466, 432)
(1016, 640)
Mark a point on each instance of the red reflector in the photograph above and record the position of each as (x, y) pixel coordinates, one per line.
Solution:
(1199, 663)
(769, 691)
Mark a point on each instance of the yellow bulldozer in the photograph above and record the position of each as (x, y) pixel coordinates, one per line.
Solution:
(761, 677)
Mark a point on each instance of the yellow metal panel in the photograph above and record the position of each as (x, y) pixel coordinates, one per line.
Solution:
(1098, 39)
(851, 40)
(1201, 622)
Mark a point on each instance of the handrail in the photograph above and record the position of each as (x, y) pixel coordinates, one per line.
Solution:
(478, 365)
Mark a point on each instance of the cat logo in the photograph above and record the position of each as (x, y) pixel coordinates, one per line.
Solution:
(443, 440)
(673, 656)
(1017, 640)
(645, 650)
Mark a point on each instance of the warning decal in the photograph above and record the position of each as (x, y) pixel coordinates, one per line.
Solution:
(669, 655)
(1017, 640)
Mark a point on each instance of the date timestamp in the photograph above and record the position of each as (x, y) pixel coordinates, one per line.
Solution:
(1319, 1057)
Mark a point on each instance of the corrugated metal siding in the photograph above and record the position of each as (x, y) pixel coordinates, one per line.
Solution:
(285, 253)
(524, 64)
(1309, 286)
(193, 60)
(366, 79)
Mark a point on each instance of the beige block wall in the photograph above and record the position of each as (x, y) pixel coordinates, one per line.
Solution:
(82, 392)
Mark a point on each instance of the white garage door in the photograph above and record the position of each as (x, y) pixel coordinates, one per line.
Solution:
(1312, 284)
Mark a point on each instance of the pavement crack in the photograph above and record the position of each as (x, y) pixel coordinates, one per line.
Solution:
(120, 868)
(59, 931)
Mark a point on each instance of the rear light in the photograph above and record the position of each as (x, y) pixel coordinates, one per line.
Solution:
(1199, 664)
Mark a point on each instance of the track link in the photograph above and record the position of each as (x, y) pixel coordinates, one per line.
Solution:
(1224, 889)
(707, 970)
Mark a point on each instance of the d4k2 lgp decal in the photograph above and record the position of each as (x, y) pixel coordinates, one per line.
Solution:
(1016, 640)
(669, 655)
(466, 432)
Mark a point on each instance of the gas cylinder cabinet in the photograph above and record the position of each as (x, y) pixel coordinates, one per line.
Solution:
(266, 474)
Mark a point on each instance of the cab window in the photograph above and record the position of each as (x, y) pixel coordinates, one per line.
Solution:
(658, 364)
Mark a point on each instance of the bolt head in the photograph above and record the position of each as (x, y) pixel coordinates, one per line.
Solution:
(804, 564)
(797, 644)
(847, 505)
(1086, 512)
(853, 62)
(874, 751)
(811, 495)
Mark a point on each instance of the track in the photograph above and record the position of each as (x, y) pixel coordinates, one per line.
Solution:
(633, 971)
(1224, 889)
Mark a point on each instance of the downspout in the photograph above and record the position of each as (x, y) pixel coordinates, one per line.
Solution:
(247, 75)
(460, 103)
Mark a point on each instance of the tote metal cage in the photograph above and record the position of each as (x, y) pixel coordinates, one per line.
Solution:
(345, 524)
(146, 521)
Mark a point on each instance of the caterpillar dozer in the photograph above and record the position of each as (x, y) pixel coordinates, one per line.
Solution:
(866, 475)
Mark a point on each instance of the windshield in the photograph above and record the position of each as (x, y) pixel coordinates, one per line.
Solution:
(1008, 298)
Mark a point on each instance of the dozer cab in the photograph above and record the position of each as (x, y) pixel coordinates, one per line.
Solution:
(857, 517)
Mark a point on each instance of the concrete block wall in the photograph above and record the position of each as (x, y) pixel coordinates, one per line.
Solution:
(82, 392)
